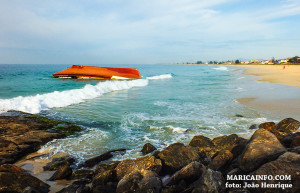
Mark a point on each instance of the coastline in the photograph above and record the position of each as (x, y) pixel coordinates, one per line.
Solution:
(214, 165)
(281, 104)
(274, 73)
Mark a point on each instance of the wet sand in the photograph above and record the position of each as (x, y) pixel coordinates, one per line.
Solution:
(274, 107)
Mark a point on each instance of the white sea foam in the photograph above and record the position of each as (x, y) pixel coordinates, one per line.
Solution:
(39, 102)
(223, 68)
(163, 76)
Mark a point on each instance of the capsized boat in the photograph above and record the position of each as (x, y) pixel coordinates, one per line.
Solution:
(94, 72)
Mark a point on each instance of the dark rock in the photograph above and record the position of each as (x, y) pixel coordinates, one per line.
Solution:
(76, 188)
(57, 163)
(296, 141)
(140, 181)
(96, 160)
(176, 156)
(238, 191)
(189, 174)
(179, 187)
(287, 164)
(235, 171)
(23, 133)
(222, 160)
(155, 153)
(254, 126)
(225, 142)
(210, 181)
(105, 167)
(294, 149)
(267, 126)
(104, 189)
(83, 174)
(287, 140)
(15, 179)
(239, 147)
(287, 126)
(62, 173)
(29, 189)
(238, 115)
(102, 178)
(147, 162)
(262, 147)
(67, 129)
(208, 148)
(201, 141)
(105, 179)
(148, 148)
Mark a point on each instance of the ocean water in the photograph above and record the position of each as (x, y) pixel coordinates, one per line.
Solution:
(171, 103)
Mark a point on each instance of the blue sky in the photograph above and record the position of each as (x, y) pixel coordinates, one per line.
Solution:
(143, 31)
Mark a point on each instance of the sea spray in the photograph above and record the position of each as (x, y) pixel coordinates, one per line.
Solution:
(39, 102)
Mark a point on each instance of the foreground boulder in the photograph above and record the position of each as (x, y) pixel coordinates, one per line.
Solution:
(148, 162)
(189, 174)
(176, 156)
(62, 173)
(148, 148)
(15, 179)
(210, 181)
(140, 181)
(262, 148)
(289, 139)
(287, 165)
(285, 127)
(288, 126)
(210, 148)
(267, 126)
(222, 159)
(57, 163)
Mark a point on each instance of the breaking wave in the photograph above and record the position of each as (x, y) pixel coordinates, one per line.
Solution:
(163, 76)
(222, 68)
(39, 102)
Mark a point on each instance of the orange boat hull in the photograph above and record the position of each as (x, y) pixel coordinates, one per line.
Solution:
(95, 72)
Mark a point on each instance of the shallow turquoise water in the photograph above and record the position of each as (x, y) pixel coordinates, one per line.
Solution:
(170, 103)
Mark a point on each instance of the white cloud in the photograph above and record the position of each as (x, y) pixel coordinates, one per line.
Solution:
(155, 29)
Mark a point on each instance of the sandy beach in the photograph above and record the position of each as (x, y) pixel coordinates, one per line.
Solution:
(288, 75)
(282, 74)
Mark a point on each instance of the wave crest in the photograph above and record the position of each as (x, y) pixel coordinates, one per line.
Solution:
(39, 102)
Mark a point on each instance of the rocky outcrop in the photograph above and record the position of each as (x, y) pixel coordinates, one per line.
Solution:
(76, 187)
(176, 156)
(222, 159)
(15, 179)
(262, 148)
(59, 162)
(82, 174)
(62, 173)
(189, 174)
(105, 156)
(148, 148)
(267, 126)
(287, 165)
(210, 181)
(148, 163)
(24, 133)
(209, 148)
(287, 140)
(285, 127)
(140, 181)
